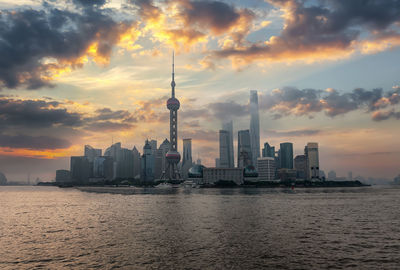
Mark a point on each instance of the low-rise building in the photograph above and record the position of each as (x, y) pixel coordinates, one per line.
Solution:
(213, 175)
(266, 168)
(63, 176)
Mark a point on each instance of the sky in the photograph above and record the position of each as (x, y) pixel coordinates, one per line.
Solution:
(79, 72)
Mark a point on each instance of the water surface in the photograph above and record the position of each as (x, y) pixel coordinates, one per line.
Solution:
(320, 228)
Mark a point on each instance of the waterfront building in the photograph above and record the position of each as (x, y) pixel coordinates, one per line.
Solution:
(244, 149)
(103, 167)
(63, 176)
(300, 165)
(286, 155)
(173, 157)
(332, 175)
(160, 159)
(254, 127)
(187, 151)
(217, 163)
(311, 152)
(266, 168)
(91, 153)
(214, 175)
(80, 169)
(125, 164)
(287, 175)
(268, 151)
(187, 162)
(228, 126)
(350, 176)
(148, 163)
(3, 179)
(224, 157)
(136, 163)
(153, 145)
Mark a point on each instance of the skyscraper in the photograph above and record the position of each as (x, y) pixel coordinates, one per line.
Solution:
(136, 162)
(228, 126)
(173, 157)
(254, 127)
(244, 149)
(311, 152)
(224, 149)
(187, 151)
(300, 165)
(91, 153)
(286, 155)
(268, 151)
(147, 167)
(187, 162)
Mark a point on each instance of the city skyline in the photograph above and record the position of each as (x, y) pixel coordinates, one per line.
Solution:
(342, 93)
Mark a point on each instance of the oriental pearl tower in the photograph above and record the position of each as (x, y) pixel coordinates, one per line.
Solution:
(173, 157)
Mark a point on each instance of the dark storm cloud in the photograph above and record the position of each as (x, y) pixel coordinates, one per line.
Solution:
(108, 114)
(322, 28)
(30, 142)
(293, 101)
(45, 114)
(35, 114)
(90, 3)
(36, 44)
(216, 15)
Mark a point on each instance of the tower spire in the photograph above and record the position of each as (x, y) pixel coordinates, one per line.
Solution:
(173, 74)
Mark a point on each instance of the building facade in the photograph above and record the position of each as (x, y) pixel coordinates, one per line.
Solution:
(224, 158)
(286, 155)
(300, 165)
(213, 175)
(268, 151)
(80, 169)
(266, 168)
(91, 153)
(228, 126)
(311, 152)
(254, 127)
(244, 149)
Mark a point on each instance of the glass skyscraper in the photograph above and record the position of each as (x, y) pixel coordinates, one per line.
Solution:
(254, 127)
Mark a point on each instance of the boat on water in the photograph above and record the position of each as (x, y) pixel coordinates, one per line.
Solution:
(189, 184)
(166, 185)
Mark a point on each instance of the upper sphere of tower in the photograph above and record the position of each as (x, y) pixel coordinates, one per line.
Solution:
(173, 104)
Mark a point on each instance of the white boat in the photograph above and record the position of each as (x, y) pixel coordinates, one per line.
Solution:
(189, 184)
(166, 185)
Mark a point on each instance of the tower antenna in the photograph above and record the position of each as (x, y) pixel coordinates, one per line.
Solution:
(173, 84)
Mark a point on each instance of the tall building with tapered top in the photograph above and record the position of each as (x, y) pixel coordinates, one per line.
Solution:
(173, 157)
(254, 127)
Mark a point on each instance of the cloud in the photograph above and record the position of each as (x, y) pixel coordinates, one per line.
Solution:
(189, 23)
(293, 133)
(39, 45)
(323, 30)
(293, 101)
(31, 142)
(385, 115)
(35, 114)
